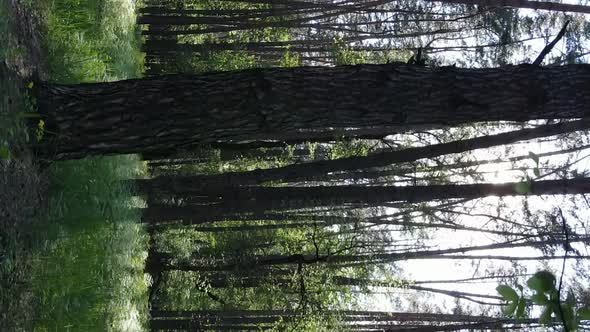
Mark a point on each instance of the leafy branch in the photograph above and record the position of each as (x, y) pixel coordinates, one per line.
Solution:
(546, 294)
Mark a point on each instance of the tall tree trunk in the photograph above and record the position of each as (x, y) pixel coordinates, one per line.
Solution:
(237, 320)
(316, 170)
(249, 13)
(248, 282)
(216, 320)
(343, 260)
(232, 202)
(168, 113)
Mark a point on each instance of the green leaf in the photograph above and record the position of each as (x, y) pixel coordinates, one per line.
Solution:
(584, 313)
(542, 281)
(535, 284)
(539, 298)
(6, 264)
(568, 314)
(520, 308)
(523, 187)
(545, 317)
(4, 152)
(536, 171)
(508, 293)
(509, 309)
(534, 157)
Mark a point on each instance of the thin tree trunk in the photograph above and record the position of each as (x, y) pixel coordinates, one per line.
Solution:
(164, 264)
(244, 200)
(315, 170)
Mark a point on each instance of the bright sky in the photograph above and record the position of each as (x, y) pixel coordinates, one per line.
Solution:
(444, 238)
(454, 269)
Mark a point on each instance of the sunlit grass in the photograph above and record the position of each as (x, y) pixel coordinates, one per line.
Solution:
(88, 270)
(94, 40)
(86, 265)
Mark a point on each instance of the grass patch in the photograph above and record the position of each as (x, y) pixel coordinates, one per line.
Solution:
(19, 181)
(90, 41)
(80, 265)
(88, 271)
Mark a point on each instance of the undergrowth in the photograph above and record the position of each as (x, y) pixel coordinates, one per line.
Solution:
(84, 260)
(93, 40)
(88, 271)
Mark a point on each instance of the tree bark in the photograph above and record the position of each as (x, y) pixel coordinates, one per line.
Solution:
(243, 200)
(318, 169)
(242, 320)
(343, 260)
(168, 113)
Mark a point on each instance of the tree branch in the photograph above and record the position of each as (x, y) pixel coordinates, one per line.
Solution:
(550, 46)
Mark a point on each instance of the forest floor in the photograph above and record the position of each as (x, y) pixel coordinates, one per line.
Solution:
(71, 246)
(21, 185)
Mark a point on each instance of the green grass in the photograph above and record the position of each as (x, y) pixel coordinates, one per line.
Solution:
(88, 271)
(83, 263)
(93, 40)
(19, 183)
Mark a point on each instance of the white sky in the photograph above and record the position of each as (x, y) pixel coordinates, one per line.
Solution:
(444, 238)
(454, 269)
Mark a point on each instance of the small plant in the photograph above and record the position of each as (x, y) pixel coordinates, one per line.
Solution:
(547, 295)
(13, 123)
(524, 186)
(40, 131)
(4, 150)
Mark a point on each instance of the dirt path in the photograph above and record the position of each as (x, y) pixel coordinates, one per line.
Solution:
(25, 36)
(18, 177)
(21, 186)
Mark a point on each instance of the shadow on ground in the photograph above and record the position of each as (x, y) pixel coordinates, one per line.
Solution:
(20, 182)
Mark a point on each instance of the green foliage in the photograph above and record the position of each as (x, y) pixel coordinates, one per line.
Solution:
(290, 60)
(510, 308)
(4, 152)
(345, 55)
(85, 258)
(217, 61)
(225, 60)
(348, 57)
(584, 313)
(89, 241)
(94, 40)
(535, 158)
(540, 299)
(516, 305)
(16, 106)
(543, 283)
(523, 187)
(545, 317)
(507, 293)
(349, 148)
